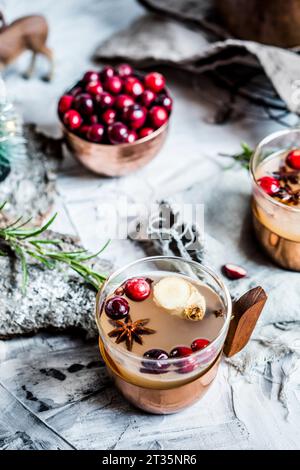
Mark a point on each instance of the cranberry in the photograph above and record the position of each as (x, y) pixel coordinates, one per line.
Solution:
(123, 101)
(83, 130)
(93, 119)
(187, 365)
(107, 72)
(116, 308)
(94, 88)
(199, 344)
(72, 119)
(269, 184)
(65, 103)
(159, 365)
(145, 132)
(84, 104)
(124, 70)
(76, 90)
(158, 116)
(113, 85)
(95, 133)
(155, 81)
(137, 288)
(293, 159)
(117, 133)
(91, 76)
(232, 271)
(105, 100)
(180, 351)
(136, 116)
(165, 101)
(109, 116)
(147, 98)
(133, 86)
(131, 137)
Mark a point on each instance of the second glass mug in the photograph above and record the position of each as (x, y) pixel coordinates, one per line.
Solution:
(164, 393)
(277, 226)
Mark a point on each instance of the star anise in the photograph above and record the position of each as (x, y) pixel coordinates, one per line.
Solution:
(219, 313)
(285, 175)
(129, 331)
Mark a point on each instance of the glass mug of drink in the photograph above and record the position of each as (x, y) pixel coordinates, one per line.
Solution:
(275, 172)
(163, 322)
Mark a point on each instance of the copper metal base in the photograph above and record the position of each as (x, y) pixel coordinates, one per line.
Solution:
(115, 160)
(284, 252)
(165, 401)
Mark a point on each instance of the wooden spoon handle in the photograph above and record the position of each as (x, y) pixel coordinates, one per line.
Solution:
(246, 311)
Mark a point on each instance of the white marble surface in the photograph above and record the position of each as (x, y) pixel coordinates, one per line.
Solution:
(38, 389)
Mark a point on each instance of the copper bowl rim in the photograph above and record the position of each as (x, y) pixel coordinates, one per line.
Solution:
(125, 145)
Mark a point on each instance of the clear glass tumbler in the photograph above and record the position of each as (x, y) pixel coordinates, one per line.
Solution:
(277, 225)
(165, 392)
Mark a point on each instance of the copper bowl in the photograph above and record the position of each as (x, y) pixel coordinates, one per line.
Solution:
(115, 160)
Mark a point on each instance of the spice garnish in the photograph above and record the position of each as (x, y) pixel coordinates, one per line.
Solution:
(286, 177)
(129, 331)
(219, 313)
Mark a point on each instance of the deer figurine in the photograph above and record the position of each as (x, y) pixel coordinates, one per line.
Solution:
(26, 33)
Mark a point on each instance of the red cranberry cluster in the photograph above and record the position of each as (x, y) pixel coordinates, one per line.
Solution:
(116, 106)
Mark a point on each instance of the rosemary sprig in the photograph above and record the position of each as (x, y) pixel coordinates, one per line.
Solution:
(243, 157)
(24, 242)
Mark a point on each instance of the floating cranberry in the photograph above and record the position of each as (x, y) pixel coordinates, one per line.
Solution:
(65, 103)
(145, 132)
(269, 184)
(158, 363)
(107, 72)
(147, 98)
(293, 159)
(109, 116)
(232, 271)
(91, 76)
(94, 88)
(95, 133)
(137, 288)
(158, 116)
(105, 100)
(165, 101)
(72, 119)
(133, 86)
(155, 82)
(124, 70)
(84, 104)
(180, 351)
(199, 344)
(131, 137)
(186, 366)
(123, 101)
(117, 133)
(113, 85)
(136, 116)
(116, 308)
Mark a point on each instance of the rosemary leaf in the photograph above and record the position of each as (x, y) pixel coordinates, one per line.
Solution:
(242, 158)
(23, 242)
